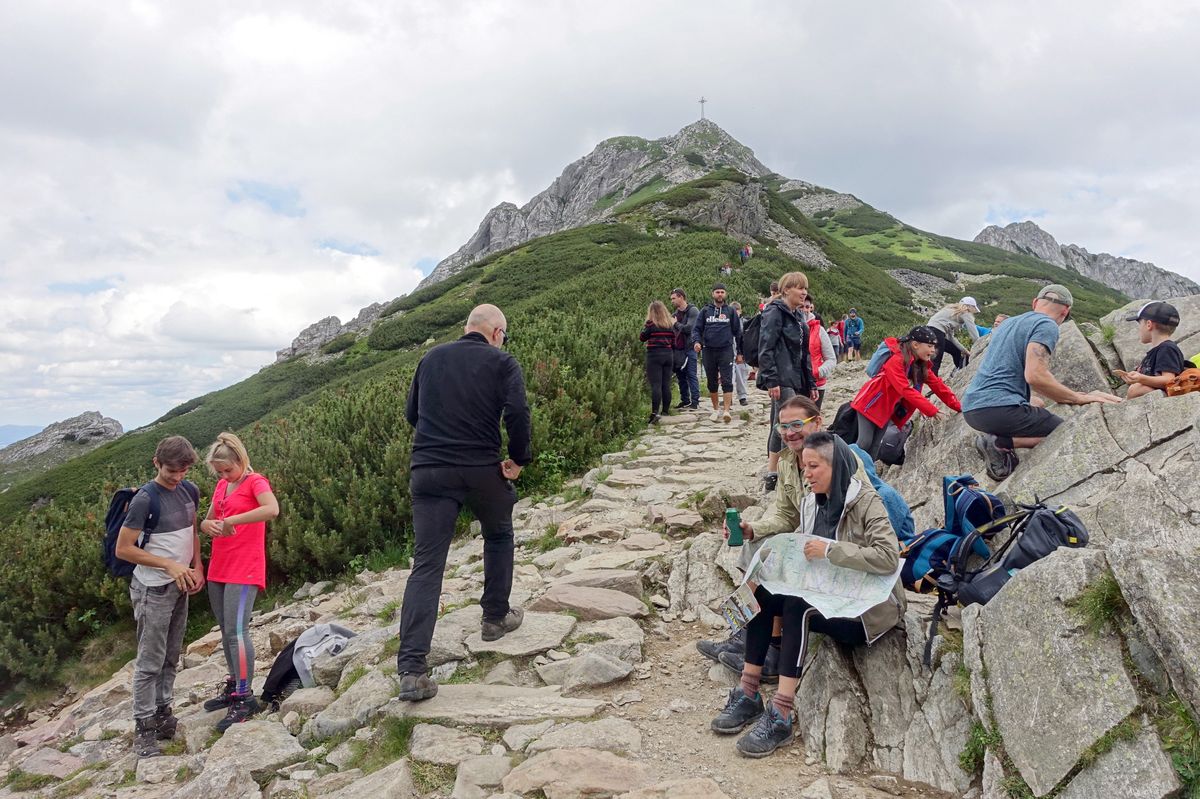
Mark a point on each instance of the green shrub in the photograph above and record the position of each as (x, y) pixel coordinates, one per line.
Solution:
(342, 342)
(695, 159)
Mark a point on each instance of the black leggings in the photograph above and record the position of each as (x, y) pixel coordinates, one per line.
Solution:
(944, 345)
(799, 619)
(660, 368)
(870, 437)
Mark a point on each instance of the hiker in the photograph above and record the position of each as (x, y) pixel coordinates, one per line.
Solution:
(820, 348)
(853, 335)
(998, 402)
(846, 511)
(459, 394)
(242, 504)
(1164, 361)
(686, 315)
(715, 335)
(784, 363)
(741, 369)
(946, 324)
(895, 392)
(799, 418)
(659, 335)
(772, 294)
(168, 570)
(835, 340)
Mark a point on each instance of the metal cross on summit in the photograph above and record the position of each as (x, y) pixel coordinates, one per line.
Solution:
(702, 101)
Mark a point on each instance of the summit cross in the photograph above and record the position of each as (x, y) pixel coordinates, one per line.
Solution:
(702, 101)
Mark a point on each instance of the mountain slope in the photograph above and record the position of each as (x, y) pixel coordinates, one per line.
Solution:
(57, 443)
(1137, 279)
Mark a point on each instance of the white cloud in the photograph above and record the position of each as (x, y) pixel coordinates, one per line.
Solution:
(129, 280)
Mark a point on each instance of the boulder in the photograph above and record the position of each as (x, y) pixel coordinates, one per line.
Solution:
(676, 520)
(477, 773)
(390, 782)
(518, 736)
(260, 747)
(620, 638)
(222, 782)
(308, 701)
(503, 673)
(196, 728)
(155, 770)
(626, 581)
(495, 705)
(1055, 688)
(351, 710)
(1136, 769)
(609, 735)
(589, 670)
(433, 743)
(589, 604)
(364, 648)
(451, 632)
(1125, 340)
(576, 773)
(537, 633)
(696, 577)
(46, 762)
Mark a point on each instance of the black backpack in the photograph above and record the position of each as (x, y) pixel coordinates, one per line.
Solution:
(114, 520)
(751, 334)
(891, 449)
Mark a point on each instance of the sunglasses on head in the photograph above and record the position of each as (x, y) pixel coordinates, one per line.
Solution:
(785, 427)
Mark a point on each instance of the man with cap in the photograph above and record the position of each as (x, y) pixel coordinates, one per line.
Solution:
(854, 331)
(1164, 361)
(999, 404)
(717, 330)
(946, 324)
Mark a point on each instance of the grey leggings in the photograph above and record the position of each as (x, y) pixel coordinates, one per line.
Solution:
(232, 604)
(870, 437)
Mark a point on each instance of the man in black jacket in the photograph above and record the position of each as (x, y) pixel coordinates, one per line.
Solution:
(717, 330)
(686, 315)
(458, 395)
(784, 364)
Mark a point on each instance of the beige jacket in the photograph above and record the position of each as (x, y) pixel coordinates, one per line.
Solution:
(783, 514)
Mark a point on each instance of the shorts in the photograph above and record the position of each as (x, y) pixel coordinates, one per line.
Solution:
(1013, 421)
(854, 342)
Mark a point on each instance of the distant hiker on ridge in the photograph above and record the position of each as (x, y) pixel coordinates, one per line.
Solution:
(716, 334)
(459, 394)
(998, 403)
(686, 315)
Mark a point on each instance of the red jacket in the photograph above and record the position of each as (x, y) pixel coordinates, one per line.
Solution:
(878, 397)
(814, 351)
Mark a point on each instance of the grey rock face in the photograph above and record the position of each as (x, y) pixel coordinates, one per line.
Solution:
(1133, 278)
(816, 199)
(80, 433)
(311, 338)
(259, 747)
(350, 710)
(1136, 769)
(495, 705)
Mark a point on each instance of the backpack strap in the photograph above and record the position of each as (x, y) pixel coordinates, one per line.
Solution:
(152, 513)
(942, 603)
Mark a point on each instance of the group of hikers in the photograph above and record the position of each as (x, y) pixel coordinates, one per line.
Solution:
(461, 392)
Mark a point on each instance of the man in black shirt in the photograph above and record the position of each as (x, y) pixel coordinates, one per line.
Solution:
(458, 395)
(1164, 362)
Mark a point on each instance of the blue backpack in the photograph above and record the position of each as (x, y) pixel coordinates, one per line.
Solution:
(928, 555)
(881, 354)
(114, 520)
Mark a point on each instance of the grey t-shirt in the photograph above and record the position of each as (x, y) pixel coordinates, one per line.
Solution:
(173, 537)
(1000, 381)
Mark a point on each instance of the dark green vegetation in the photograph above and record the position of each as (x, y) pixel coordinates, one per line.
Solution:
(332, 437)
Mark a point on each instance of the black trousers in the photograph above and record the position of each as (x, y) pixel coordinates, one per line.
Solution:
(718, 362)
(438, 494)
(660, 368)
(945, 345)
(800, 619)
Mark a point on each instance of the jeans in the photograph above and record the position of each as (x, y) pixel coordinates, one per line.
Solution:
(660, 364)
(689, 381)
(161, 615)
(774, 440)
(438, 494)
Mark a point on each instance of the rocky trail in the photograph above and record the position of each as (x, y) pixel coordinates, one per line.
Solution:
(601, 692)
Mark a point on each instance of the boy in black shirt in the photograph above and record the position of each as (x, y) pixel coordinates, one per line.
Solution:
(1163, 363)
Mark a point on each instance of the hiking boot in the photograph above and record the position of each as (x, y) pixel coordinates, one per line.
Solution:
(416, 687)
(167, 723)
(735, 661)
(714, 416)
(1000, 462)
(712, 650)
(682, 405)
(771, 732)
(743, 401)
(242, 708)
(727, 417)
(654, 417)
(770, 481)
(145, 737)
(495, 630)
(224, 700)
(739, 711)
(695, 406)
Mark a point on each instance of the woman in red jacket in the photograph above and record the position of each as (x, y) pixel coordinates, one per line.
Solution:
(895, 392)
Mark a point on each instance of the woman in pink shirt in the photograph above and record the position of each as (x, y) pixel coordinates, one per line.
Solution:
(242, 503)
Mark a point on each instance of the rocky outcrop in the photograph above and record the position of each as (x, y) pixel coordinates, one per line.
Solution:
(812, 199)
(311, 338)
(80, 433)
(1133, 278)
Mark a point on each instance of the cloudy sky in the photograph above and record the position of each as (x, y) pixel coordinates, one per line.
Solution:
(187, 185)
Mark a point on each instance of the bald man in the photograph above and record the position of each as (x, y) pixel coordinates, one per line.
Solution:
(458, 396)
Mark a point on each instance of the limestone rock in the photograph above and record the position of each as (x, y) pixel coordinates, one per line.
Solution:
(676, 520)
(1125, 341)
(609, 735)
(696, 579)
(433, 743)
(259, 747)
(1067, 688)
(64, 440)
(518, 736)
(311, 338)
(351, 710)
(366, 647)
(495, 705)
(308, 701)
(477, 773)
(46, 762)
(626, 581)
(504, 673)
(1136, 769)
(589, 603)
(537, 633)
(391, 782)
(817, 789)
(155, 770)
(621, 638)
(450, 633)
(223, 782)
(576, 773)
(695, 788)
(589, 670)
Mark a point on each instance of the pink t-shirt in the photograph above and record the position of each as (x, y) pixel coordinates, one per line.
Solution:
(241, 557)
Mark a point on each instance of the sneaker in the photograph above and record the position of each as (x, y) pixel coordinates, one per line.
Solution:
(734, 661)
(167, 723)
(712, 650)
(695, 406)
(770, 481)
(771, 732)
(714, 416)
(145, 737)
(242, 708)
(682, 405)
(739, 711)
(743, 401)
(1000, 462)
(727, 417)
(495, 630)
(224, 699)
(654, 417)
(416, 687)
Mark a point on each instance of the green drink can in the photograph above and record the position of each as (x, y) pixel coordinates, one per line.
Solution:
(733, 522)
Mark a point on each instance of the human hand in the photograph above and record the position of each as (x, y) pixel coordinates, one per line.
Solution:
(696, 346)
(182, 575)
(210, 527)
(1101, 397)
(774, 393)
(815, 550)
(1128, 377)
(739, 359)
(197, 581)
(510, 469)
(814, 395)
(227, 527)
(747, 530)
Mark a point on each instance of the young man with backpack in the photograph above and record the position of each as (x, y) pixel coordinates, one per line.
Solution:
(167, 570)
(686, 315)
(717, 332)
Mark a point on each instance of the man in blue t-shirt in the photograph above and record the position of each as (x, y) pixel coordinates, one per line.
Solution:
(998, 403)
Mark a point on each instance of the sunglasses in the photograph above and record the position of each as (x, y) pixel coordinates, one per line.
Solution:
(504, 340)
(787, 427)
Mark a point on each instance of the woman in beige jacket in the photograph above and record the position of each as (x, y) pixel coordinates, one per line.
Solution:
(850, 516)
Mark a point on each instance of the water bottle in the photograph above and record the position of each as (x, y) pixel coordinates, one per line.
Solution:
(733, 521)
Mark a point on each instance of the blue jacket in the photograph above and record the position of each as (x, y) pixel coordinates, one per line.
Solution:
(897, 509)
(713, 331)
(854, 327)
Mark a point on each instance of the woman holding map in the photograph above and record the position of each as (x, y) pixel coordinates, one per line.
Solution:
(851, 530)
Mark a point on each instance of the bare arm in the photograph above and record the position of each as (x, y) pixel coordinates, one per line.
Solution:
(1039, 378)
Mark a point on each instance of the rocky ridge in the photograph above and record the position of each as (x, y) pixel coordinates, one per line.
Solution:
(1133, 278)
(57, 443)
(601, 692)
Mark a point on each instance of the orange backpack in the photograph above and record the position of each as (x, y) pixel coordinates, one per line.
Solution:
(1185, 382)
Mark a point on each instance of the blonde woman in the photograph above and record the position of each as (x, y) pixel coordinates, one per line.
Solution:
(659, 335)
(946, 324)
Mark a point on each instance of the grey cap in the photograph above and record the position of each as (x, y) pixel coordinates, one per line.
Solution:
(1056, 293)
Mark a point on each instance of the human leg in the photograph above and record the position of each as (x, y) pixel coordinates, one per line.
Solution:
(153, 610)
(870, 436)
(665, 361)
(652, 380)
(177, 627)
(712, 371)
(725, 366)
(216, 601)
(237, 602)
(491, 499)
